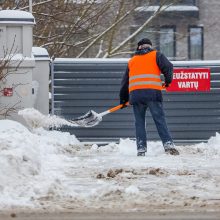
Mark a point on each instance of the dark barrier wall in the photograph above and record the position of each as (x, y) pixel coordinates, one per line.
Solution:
(80, 85)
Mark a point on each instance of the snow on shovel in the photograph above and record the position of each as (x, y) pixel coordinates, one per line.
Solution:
(92, 118)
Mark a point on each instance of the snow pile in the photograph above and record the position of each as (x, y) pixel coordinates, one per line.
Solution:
(127, 147)
(35, 119)
(213, 145)
(53, 170)
(211, 149)
(30, 162)
(18, 155)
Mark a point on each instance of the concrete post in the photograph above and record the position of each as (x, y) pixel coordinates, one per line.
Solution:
(16, 47)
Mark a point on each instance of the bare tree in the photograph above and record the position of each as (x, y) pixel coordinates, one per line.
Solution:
(86, 28)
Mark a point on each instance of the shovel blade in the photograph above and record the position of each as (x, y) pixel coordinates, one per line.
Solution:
(90, 119)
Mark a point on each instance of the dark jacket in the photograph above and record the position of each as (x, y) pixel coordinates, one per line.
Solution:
(144, 95)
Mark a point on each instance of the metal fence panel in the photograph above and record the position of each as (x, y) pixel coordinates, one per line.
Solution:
(79, 85)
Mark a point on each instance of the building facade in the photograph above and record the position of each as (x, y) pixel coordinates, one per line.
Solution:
(187, 30)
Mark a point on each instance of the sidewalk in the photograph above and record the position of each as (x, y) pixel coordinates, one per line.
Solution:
(113, 216)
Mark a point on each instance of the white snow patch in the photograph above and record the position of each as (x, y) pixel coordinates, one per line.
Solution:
(40, 51)
(15, 14)
(18, 58)
(127, 147)
(91, 60)
(166, 8)
(132, 190)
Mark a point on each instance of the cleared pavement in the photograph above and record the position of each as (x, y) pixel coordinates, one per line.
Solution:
(111, 216)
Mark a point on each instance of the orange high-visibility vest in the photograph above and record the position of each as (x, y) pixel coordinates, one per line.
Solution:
(144, 72)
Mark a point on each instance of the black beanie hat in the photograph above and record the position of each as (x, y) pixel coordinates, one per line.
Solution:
(144, 41)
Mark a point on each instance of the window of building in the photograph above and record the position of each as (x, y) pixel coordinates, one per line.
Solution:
(195, 43)
(186, 2)
(167, 42)
(163, 39)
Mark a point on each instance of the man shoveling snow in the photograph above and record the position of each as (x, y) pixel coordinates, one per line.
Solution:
(142, 83)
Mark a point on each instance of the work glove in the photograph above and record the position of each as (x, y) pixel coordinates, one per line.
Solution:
(165, 85)
(123, 103)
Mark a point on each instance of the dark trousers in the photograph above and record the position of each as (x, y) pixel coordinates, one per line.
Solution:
(157, 112)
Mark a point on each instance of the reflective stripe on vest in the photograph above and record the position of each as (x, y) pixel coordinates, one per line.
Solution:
(144, 76)
(144, 72)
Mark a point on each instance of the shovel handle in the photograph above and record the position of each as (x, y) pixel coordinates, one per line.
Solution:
(117, 107)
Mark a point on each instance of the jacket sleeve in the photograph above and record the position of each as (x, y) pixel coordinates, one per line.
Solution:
(166, 67)
(124, 93)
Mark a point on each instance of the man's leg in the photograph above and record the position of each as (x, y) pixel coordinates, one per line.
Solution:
(157, 112)
(139, 113)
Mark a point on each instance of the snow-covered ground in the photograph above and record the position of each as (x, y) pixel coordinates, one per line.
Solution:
(47, 169)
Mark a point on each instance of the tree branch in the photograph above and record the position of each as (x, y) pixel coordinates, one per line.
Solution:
(36, 4)
(158, 11)
(104, 33)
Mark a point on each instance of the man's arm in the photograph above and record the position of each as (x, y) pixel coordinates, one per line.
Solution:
(124, 94)
(166, 67)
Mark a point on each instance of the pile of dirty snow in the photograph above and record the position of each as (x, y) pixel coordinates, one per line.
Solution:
(30, 162)
(52, 170)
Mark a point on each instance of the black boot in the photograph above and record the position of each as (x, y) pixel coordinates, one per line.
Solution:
(172, 151)
(169, 148)
(141, 154)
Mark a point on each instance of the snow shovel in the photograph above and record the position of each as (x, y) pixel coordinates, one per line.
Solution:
(92, 118)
